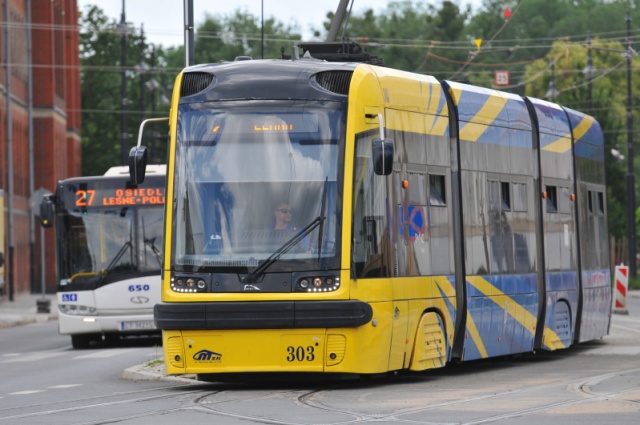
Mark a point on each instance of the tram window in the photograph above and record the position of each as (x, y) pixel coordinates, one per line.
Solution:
(552, 199)
(417, 191)
(437, 194)
(600, 203)
(519, 197)
(505, 196)
(494, 195)
(371, 235)
(564, 201)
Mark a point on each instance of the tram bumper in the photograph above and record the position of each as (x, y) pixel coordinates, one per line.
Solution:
(262, 315)
(236, 337)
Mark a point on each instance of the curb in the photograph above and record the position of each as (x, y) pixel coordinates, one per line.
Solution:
(147, 372)
(17, 320)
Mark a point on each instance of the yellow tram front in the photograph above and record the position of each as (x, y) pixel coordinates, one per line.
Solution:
(256, 274)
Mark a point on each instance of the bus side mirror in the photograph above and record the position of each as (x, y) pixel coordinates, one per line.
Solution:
(382, 156)
(46, 212)
(137, 164)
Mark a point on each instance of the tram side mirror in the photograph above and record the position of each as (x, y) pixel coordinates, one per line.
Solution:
(382, 156)
(46, 212)
(137, 164)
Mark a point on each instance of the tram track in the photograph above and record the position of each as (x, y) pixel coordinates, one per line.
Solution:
(96, 399)
(345, 402)
(582, 386)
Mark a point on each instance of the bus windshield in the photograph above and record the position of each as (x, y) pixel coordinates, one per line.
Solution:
(103, 239)
(257, 181)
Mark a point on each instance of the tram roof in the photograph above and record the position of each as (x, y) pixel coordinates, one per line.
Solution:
(273, 79)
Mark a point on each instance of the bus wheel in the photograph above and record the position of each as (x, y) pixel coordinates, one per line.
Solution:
(80, 341)
(111, 339)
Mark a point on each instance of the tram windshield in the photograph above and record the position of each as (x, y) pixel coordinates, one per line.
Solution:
(257, 181)
(107, 233)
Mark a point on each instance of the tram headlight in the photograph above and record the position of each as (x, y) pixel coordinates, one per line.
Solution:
(318, 284)
(188, 284)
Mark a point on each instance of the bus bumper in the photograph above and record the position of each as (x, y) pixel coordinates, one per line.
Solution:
(131, 324)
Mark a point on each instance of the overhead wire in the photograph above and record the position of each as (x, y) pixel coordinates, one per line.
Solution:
(493, 46)
(506, 22)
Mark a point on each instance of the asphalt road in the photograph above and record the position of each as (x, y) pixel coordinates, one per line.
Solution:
(44, 381)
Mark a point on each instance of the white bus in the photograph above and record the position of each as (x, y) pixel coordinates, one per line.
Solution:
(109, 242)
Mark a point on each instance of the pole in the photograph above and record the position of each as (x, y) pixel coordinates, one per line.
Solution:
(337, 20)
(42, 277)
(631, 190)
(153, 100)
(7, 53)
(262, 28)
(589, 74)
(32, 221)
(188, 33)
(142, 72)
(123, 88)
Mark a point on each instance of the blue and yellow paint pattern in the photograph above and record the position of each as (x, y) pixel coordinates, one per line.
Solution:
(490, 116)
(587, 136)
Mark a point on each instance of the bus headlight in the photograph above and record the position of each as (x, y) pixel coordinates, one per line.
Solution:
(188, 284)
(77, 310)
(318, 284)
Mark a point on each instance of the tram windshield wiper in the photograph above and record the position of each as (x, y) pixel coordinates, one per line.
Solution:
(259, 271)
(322, 217)
(318, 221)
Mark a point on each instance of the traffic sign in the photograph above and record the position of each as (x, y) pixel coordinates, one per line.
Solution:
(502, 78)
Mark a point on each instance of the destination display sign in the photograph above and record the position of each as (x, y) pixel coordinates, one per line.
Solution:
(258, 123)
(113, 193)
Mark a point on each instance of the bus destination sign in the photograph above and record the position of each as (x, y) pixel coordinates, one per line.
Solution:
(104, 197)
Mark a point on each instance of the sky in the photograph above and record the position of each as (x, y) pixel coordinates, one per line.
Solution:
(163, 19)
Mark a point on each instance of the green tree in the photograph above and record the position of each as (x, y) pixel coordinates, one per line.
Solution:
(407, 35)
(100, 58)
(216, 39)
(223, 38)
(608, 106)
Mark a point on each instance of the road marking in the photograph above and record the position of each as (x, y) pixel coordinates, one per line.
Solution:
(626, 328)
(103, 354)
(65, 386)
(33, 357)
(25, 392)
(608, 351)
(11, 354)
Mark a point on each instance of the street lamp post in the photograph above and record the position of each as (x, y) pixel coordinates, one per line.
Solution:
(631, 190)
(628, 54)
(123, 87)
(589, 73)
(552, 92)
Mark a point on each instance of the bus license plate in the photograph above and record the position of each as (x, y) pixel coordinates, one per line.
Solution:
(137, 325)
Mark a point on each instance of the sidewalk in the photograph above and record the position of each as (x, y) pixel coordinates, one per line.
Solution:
(24, 309)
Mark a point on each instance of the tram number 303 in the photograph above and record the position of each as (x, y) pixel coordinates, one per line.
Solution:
(301, 354)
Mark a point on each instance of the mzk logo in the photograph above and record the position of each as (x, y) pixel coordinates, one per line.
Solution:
(207, 356)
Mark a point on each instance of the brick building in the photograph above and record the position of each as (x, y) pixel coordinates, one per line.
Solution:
(55, 113)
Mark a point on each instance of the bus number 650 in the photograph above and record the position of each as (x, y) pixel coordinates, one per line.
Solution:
(300, 353)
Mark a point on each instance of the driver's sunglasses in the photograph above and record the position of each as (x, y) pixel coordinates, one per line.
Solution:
(285, 210)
